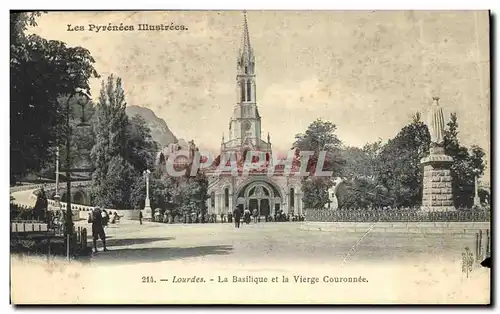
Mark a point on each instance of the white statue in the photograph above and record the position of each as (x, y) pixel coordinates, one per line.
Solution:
(333, 202)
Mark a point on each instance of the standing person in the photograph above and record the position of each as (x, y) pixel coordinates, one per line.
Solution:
(255, 215)
(237, 217)
(105, 218)
(98, 229)
(140, 217)
(247, 216)
(40, 205)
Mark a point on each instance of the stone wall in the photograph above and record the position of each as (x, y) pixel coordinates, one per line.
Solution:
(399, 227)
(362, 215)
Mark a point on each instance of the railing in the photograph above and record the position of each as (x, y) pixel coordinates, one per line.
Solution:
(79, 211)
(324, 215)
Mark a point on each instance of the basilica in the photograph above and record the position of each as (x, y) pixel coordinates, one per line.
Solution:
(256, 190)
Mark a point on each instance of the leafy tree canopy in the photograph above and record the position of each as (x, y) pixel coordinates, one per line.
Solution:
(41, 72)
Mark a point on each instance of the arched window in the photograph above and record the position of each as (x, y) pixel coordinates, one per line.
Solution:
(226, 197)
(249, 91)
(292, 198)
(242, 87)
(212, 200)
(246, 69)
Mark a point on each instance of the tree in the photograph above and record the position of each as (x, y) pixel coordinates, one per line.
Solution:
(319, 137)
(81, 134)
(141, 148)
(158, 192)
(114, 174)
(362, 193)
(466, 166)
(398, 168)
(123, 149)
(361, 162)
(41, 72)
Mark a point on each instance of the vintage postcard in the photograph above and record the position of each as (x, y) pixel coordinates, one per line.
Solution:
(250, 157)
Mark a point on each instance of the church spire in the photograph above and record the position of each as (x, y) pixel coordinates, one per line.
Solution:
(246, 57)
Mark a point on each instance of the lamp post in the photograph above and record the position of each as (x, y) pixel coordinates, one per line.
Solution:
(57, 197)
(69, 214)
(147, 205)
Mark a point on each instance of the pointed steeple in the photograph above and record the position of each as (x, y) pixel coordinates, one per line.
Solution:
(246, 57)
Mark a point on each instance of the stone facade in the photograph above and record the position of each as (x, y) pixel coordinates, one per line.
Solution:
(267, 195)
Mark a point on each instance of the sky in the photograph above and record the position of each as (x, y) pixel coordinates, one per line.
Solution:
(368, 72)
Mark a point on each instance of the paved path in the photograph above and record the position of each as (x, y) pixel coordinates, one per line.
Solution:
(23, 198)
(145, 262)
(398, 267)
(130, 242)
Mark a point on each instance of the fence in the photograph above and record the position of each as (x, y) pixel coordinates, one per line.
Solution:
(482, 245)
(79, 211)
(324, 215)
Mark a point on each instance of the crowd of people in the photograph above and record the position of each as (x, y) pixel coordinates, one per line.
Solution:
(246, 217)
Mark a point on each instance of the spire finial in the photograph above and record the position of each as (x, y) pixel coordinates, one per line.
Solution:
(246, 48)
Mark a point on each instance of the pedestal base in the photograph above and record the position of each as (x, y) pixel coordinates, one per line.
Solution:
(147, 213)
(437, 193)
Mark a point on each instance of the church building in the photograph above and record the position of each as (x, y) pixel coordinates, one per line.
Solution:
(255, 190)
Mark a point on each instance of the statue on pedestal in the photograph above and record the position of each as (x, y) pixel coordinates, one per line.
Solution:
(437, 192)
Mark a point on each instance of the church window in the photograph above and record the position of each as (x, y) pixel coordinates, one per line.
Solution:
(292, 198)
(249, 91)
(212, 200)
(246, 69)
(242, 87)
(226, 197)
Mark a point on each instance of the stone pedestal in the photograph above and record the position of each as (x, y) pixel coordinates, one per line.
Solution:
(437, 192)
(147, 212)
(477, 200)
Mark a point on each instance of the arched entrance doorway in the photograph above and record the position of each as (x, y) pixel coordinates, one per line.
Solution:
(261, 196)
(79, 198)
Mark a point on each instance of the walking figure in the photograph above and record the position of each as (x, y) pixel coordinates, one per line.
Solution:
(97, 228)
(140, 217)
(237, 217)
(41, 206)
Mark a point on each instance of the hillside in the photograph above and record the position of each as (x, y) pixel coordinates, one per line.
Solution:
(159, 128)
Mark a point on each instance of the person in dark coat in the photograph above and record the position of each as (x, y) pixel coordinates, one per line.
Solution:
(140, 217)
(237, 217)
(40, 205)
(98, 228)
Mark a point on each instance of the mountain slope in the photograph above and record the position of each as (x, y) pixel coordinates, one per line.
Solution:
(159, 128)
